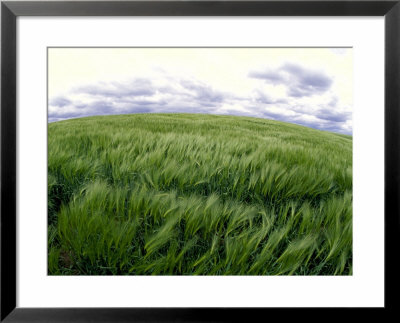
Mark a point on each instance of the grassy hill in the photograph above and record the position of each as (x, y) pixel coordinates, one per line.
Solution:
(187, 194)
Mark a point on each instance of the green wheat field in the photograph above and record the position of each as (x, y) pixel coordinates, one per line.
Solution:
(193, 194)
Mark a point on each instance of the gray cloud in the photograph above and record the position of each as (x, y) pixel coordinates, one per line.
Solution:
(137, 96)
(60, 102)
(334, 116)
(319, 121)
(263, 98)
(202, 93)
(298, 80)
(178, 95)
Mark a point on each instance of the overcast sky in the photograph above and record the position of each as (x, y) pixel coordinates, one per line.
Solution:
(307, 86)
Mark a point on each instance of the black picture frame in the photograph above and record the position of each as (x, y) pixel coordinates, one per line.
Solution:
(10, 10)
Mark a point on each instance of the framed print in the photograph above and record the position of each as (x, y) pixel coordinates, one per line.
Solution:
(197, 161)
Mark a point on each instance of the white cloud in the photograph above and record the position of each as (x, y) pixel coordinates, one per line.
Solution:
(308, 86)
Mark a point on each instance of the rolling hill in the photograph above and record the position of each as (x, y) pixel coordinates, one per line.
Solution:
(193, 194)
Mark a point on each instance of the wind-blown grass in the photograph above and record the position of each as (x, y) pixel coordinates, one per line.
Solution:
(190, 194)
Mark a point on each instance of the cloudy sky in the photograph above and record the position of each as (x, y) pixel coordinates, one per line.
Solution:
(307, 86)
